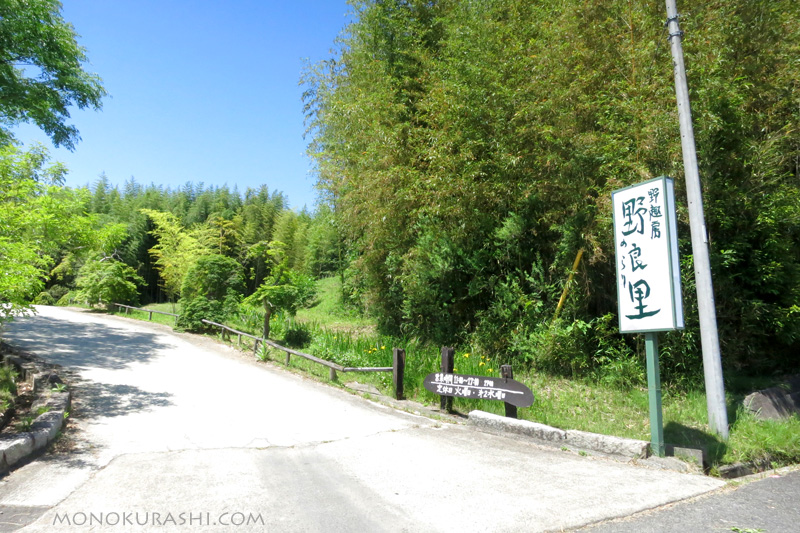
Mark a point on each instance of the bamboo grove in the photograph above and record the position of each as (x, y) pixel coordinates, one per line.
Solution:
(468, 150)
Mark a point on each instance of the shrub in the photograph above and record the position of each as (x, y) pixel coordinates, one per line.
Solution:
(57, 291)
(6, 400)
(68, 299)
(8, 379)
(297, 335)
(44, 298)
(197, 309)
(215, 277)
(107, 281)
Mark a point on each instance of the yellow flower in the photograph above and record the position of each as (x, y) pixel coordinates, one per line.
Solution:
(491, 370)
(466, 356)
(481, 363)
(455, 370)
(383, 347)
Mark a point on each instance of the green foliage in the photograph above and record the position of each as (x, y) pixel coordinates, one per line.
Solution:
(41, 70)
(25, 424)
(468, 150)
(69, 298)
(197, 309)
(220, 235)
(282, 295)
(247, 318)
(324, 244)
(214, 277)
(8, 379)
(8, 386)
(57, 291)
(263, 353)
(176, 251)
(296, 335)
(6, 400)
(39, 219)
(291, 229)
(284, 290)
(44, 298)
(161, 232)
(107, 281)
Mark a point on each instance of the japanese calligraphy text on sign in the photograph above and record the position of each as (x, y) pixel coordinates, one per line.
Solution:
(646, 245)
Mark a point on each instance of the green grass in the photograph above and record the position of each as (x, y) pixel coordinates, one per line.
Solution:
(166, 307)
(8, 386)
(329, 311)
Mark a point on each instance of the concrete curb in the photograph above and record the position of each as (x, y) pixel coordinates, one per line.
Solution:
(17, 448)
(739, 470)
(607, 444)
(577, 440)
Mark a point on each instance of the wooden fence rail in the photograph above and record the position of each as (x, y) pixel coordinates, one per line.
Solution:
(150, 311)
(397, 369)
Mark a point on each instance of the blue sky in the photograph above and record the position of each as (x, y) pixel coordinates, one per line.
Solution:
(200, 90)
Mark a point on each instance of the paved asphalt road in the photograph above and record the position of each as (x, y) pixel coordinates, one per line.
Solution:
(768, 505)
(176, 432)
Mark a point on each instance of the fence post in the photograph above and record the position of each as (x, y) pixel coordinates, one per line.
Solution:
(398, 371)
(333, 374)
(150, 316)
(288, 358)
(506, 372)
(255, 346)
(448, 354)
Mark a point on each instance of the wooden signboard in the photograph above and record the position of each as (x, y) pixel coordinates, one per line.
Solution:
(479, 388)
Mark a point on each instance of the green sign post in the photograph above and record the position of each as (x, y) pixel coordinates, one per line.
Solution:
(648, 277)
(654, 394)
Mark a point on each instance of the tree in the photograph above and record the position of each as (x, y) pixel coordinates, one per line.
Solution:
(175, 252)
(41, 71)
(39, 220)
(323, 243)
(215, 277)
(107, 281)
(469, 150)
(284, 289)
(220, 235)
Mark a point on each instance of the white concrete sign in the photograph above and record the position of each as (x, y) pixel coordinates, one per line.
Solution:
(646, 245)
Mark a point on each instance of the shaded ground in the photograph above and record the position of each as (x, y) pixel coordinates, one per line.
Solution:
(81, 345)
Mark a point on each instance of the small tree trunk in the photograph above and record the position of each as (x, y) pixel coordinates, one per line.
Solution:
(267, 314)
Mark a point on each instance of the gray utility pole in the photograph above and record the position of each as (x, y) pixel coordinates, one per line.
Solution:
(712, 361)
